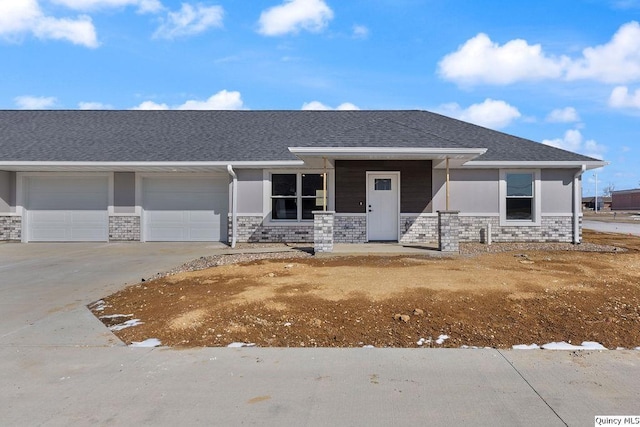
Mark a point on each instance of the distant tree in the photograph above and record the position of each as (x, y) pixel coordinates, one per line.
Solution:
(606, 191)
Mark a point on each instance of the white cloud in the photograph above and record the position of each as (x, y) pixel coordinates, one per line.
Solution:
(150, 105)
(319, 106)
(223, 100)
(35, 102)
(615, 62)
(621, 98)
(563, 115)
(360, 32)
(574, 141)
(480, 60)
(293, 16)
(190, 20)
(94, 106)
(144, 6)
(25, 17)
(490, 113)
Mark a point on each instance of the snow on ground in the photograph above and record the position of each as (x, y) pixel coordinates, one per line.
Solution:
(526, 347)
(442, 338)
(151, 342)
(241, 344)
(99, 305)
(115, 316)
(127, 324)
(586, 345)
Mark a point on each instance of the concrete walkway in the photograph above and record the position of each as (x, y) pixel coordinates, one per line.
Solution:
(60, 366)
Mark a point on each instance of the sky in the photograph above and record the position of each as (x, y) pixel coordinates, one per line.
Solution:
(560, 72)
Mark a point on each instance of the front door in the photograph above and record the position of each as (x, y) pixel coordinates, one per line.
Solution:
(382, 205)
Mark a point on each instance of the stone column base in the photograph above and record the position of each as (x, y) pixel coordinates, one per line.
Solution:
(323, 231)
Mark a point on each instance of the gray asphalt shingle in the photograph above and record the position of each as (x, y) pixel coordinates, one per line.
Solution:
(119, 136)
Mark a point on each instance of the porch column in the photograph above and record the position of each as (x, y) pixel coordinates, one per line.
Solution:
(449, 231)
(323, 231)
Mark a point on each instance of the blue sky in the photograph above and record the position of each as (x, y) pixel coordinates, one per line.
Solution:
(564, 73)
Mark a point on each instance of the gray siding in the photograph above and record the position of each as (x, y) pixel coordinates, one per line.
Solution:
(7, 192)
(124, 192)
(557, 191)
(351, 183)
(249, 190)
(470, 190)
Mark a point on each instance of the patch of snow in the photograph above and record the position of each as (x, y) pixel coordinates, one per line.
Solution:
(368, 346)
(442, 338)
(526, 347)
(637, 348)
(421, 341)
(287, 324)
(241, 344)
(113, 316)
(148, 343)
(586, 345)
(125, 325)
(99, 305)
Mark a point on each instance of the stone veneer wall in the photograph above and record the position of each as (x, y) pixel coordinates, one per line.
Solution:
(251, 229)
(10, 228)
(124, 228)
(418, 229)
(413, 229)
(552, 229)
(350, 229)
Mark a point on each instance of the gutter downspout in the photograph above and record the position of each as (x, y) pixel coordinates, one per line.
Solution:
(577, 204)
(234, 205)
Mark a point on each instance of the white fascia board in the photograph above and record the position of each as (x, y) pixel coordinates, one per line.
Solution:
(425, 153)
(142, 166)
(533, 164)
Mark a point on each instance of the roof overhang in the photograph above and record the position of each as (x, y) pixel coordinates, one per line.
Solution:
(36, 166)
(474, 164)
(314, 156)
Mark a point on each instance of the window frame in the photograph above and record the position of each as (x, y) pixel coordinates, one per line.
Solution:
(268, 196)
(536, 198)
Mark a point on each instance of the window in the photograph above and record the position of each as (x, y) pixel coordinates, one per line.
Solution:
(294, 196)
(382, 184)
(519, 196)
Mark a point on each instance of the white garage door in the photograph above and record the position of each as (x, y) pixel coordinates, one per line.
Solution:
(67, 209)
(185, 209)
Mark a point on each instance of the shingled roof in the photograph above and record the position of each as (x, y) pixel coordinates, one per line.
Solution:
(203, 136)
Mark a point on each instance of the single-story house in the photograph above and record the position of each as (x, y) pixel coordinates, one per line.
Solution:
(626, 200)
(259, 176)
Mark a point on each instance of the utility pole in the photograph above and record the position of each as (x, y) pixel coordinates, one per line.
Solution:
(596, 199)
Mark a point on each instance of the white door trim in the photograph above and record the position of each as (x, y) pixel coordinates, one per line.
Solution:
(397, 176)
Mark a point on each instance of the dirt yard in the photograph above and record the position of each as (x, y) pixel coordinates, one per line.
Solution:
(490, 299)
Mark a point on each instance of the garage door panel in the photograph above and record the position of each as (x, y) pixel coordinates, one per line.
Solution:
(67, 209)
(192, 209)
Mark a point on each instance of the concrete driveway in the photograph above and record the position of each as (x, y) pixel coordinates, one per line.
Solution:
(60, 366)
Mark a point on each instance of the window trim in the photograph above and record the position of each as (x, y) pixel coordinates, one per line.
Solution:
(536, 204)
(267, 197)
